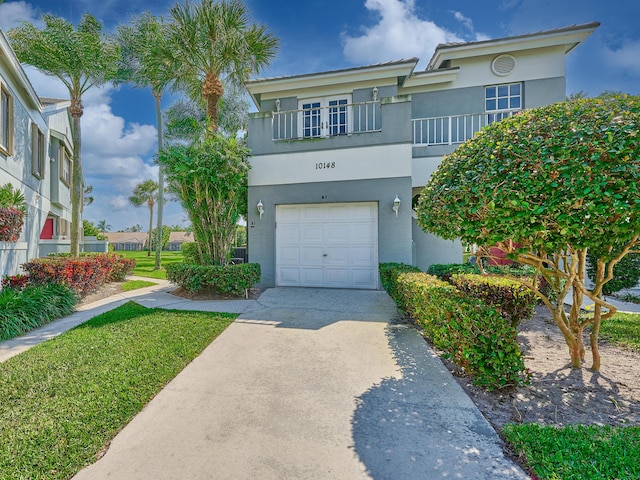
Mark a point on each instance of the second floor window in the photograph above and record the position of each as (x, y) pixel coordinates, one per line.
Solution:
(323, 117)
(37, 149)
(6, 121)
(65, 166)
(501, 100)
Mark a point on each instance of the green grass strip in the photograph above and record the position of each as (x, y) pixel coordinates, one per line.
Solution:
(622, 329)
(136, 284)
(145, 264)
(62, 401)
(577, 452)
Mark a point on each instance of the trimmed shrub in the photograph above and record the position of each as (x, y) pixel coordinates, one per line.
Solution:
(512, 299)
(226, 280)
(191, 253)
(83, 274)
(389, 273)
(22, 311)
(473, 334)
(444, 270)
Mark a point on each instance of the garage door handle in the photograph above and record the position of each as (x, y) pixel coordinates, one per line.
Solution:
(324, 254)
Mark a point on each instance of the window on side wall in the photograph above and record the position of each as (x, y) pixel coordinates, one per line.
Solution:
(37, 152)
(502, 101)
(65, 166)
(6, 121)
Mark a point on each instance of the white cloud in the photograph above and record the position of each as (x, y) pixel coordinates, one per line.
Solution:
(399, 33)
(119, 202)
(105, 133)
(624, 58)
(12, 14)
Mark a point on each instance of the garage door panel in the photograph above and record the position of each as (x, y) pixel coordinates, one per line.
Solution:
(327, 245)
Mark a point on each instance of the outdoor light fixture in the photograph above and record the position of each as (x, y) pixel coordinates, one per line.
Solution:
(277, 104)
(260, 207)
(396, 205)
(374, 93)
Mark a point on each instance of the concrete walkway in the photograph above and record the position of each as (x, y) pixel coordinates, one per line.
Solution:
(308, 384)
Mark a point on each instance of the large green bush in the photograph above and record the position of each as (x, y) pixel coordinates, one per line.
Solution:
(226, 280)
(24, 310)
(473, 334)
(389, 277)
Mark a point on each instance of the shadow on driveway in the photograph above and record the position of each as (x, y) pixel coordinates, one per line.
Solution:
(422, 425)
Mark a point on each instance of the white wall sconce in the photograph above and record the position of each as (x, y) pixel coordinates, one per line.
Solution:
(396, 205)
(260, 207)
(374, 94)
(277, 104)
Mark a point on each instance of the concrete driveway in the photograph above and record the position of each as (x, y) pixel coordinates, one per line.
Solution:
(310, 384)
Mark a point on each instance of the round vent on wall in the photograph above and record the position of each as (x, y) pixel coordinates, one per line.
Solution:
(503, 65)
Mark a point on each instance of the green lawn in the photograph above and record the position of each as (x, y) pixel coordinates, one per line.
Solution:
(62, 401)
(145, 264)
(580, 453)
(623, 330)
(136, 284)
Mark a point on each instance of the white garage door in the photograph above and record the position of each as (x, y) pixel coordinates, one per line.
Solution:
(327, 245)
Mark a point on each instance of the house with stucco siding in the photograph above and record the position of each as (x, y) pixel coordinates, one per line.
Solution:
(339, 157)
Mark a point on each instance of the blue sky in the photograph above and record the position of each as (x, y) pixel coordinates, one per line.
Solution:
(119, 123)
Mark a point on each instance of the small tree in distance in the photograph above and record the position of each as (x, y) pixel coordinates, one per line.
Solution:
(145, 193)
(547, 186)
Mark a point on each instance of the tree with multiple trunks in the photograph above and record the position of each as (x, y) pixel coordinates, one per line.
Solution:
(81, 58)
(546, 186)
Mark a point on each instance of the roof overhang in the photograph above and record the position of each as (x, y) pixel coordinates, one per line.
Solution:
(395, 72)
(568, 37)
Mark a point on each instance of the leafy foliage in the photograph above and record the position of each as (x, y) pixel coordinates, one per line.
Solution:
(227, 279)
(210, 177)
(22, 310)
(145, 193)
(512, 299)
(545, 186)
(83, 274)
(444, 270)
(389, 273)
(474, 335)
(12, 212)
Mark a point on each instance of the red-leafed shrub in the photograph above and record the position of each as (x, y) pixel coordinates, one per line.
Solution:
(83, 274)
(11, 222)
(15, 282)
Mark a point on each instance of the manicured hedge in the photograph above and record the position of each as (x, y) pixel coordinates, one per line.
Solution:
(512, 299)
(24, 310)
(473, 334)
(84, 274)
(226, 280)
(444, 270)
(389, 277)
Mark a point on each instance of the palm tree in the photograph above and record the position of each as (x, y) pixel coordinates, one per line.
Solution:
(145, 193)
(103, 226)
(147, 61)
(81, 59)
(214, 41)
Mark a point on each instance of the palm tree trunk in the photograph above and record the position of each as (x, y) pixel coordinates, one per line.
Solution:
(150, 224)
(76, 178)
(212, 90)
(159, 233)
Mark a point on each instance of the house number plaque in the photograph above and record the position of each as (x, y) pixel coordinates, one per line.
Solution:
(323, 165)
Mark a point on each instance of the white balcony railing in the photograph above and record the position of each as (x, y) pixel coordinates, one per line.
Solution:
(452, 129)
(326, 121)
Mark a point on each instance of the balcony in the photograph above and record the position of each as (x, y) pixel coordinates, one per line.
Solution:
(326, 121)
(453, 129)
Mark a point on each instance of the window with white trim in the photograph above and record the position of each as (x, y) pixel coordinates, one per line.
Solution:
(65, 166)
(322, 117)
(37, 151)
(502, 100)
(6, 121)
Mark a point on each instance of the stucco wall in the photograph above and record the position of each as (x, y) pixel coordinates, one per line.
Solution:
(394, 233)
(430, 249)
